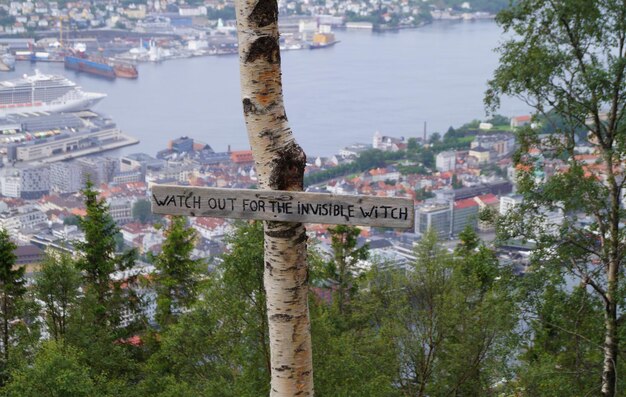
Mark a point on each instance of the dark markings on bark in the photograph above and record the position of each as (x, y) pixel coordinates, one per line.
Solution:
(282, 368)
(265, 12)
(288, 168)
(265, 47)
(281, 317)
(286, 233)
(302, 238)
(269, 268)
(269, 134)
(248, 106)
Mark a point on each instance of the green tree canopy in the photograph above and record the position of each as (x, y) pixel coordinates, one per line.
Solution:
(176, 282)
(56, 285)
(142, 211)
(12, 290)
(567, 60)
(56, 372)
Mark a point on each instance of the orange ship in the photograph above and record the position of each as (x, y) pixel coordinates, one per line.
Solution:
(125, 70)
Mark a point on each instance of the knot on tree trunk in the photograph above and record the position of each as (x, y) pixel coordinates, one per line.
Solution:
(265, 47)
(288, 168)
(265, 12)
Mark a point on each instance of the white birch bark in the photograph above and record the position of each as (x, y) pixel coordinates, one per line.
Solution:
(280, 165)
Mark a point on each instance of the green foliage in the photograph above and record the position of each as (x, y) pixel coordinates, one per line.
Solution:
(341, 269)
(220, 348)
(434, 138)
(423, 194)
(366, 161)
(56, 285)
(71, 220)
(499, 120)
(176, 282)
(56, 372)
(492, 6)
(99, 259)
(94, 326)
(226, 13)
(456, 184)
(469, 241)
(567, 60)
(353, 362)
(413, 169)
(492, 170)
(99, 247)
(453, 321)
(142, 211)
(12, 290)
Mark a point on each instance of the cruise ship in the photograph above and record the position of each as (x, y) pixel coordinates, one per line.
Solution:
(44, 93)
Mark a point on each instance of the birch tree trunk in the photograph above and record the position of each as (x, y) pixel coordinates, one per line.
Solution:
(280, 165)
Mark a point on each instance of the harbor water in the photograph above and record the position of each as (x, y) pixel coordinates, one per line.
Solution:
(391, 82)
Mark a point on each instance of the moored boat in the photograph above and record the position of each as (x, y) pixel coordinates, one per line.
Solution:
(95, 66)
(44, 93)
(125, 70)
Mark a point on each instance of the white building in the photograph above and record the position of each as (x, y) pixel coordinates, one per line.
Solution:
(446, 161)
(98, 169)
(507, 203)
(434, 214)
(121, 209)
(550, 220)
(500, 144)
(189, 11)
(11, 185)
(353, 150)
(65, 177)
(23, 219)
(387, 143)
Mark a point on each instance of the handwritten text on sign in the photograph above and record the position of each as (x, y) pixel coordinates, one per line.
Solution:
(283, 206)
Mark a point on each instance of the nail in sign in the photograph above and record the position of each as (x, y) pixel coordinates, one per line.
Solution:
(287, 206)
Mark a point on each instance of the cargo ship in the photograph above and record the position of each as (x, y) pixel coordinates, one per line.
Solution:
(44, 93)
(323, 40)
(95, 66)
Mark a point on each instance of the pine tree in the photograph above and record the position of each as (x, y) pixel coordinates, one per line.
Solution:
(12, 290)
(95, 325)
(99, 259)
(177, 279)
(345, 257)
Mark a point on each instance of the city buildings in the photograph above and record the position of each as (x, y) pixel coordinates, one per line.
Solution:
(26, 183)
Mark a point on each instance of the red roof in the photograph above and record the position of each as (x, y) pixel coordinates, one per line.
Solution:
(209, 223)
(488, 199)
(241, 156)
(133, 341)
(134, 228)
(466, 203)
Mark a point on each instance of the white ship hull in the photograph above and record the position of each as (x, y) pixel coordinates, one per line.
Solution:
(72, 105)
(44, 93)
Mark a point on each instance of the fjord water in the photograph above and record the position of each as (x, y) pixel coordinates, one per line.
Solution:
(391, 82)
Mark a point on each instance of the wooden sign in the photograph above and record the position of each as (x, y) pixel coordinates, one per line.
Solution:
(274, 205)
